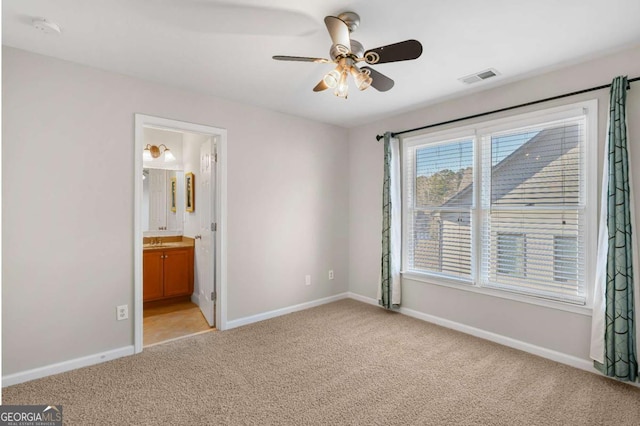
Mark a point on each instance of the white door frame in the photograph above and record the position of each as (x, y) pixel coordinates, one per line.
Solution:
(220, 136)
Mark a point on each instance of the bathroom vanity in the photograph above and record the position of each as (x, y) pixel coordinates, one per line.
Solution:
(167, 264)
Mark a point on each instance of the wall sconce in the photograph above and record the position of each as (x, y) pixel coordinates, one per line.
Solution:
(152, 152)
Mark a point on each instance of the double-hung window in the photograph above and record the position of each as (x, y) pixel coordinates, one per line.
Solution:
(441, 201)
(505, 204)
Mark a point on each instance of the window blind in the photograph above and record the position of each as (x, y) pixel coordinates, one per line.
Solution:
(533, 201)
(503, 204)
(440, 190)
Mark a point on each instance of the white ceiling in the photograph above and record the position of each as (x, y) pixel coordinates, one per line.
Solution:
(224, 48)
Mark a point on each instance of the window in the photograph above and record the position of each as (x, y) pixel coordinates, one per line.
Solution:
(441, 217)
(511, 255)
(504, 205)
(565, 259)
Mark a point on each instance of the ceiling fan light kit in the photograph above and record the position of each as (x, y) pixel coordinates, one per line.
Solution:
(347, 53)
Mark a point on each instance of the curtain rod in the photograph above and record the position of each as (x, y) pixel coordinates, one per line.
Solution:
(468, 117)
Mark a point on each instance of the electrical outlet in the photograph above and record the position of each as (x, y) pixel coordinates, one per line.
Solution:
(122, 312)
(330, 274)
(307, 280)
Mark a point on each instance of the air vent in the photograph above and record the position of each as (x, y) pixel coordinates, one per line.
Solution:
(479, 76)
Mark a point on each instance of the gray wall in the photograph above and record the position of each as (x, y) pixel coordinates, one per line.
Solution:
(67, 184)
(68, 196)
(561, 331)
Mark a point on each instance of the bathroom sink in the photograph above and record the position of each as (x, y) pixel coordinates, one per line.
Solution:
(163, 245)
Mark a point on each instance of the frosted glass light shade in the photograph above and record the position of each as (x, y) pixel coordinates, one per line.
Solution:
(342, 90)
(362, 78)
(332, 78)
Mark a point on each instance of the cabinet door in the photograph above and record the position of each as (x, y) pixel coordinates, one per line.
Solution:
(176, 273)
(152, 275)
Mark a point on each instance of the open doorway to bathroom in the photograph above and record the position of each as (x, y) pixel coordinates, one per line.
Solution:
(179, 230)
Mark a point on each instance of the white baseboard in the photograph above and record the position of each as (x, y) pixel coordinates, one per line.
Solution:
(560, 357)
(61, 367)
(73, 364)
(363, 299)
(195, 298)
(283, 311)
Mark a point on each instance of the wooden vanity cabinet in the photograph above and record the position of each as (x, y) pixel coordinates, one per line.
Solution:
(167, 273)
(178, 268)
(152, 275)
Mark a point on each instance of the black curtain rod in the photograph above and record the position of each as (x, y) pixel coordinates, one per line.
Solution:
(468, 117)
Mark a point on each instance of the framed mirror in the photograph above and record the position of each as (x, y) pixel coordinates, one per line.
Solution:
(190, 192)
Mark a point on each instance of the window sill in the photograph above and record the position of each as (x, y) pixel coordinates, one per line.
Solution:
(468, 286)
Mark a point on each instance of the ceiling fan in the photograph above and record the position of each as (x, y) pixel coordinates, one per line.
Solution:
(347, 53)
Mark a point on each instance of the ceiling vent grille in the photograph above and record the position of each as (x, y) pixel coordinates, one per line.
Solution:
(479, 76)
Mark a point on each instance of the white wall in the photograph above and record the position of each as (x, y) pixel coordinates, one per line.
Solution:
(68, 211)
(561, 331)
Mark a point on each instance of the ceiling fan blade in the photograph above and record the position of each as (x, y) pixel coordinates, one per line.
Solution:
(379, 81)
(301, 59)
(338, 31)
(403, 51)
(320, 86)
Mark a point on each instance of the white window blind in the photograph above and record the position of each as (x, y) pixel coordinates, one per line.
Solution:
(504, 206)
(440, 190)
(533, 187)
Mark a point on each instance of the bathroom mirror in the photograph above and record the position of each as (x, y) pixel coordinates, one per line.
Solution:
(162, 201)
(163, 182)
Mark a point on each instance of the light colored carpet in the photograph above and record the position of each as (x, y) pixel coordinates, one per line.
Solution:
(341, 363)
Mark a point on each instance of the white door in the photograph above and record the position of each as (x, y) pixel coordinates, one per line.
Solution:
(205, 246)
(157, 199)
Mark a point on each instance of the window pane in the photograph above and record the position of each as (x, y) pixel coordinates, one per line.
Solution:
(528, 250)
(444, 174)
(511, 255)
(442, 243)
(525, 186)
(565, 258)
(537, 167)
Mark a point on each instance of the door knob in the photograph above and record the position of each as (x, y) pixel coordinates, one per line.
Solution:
(198, 237)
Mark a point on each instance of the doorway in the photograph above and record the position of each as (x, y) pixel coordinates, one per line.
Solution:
(196, 194)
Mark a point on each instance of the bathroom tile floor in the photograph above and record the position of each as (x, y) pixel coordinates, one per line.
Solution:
(172, 321)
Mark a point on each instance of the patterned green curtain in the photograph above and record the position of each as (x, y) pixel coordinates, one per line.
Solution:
(389, 289)
(620, 358)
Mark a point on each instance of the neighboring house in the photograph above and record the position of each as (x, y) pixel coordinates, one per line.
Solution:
(538, 181)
